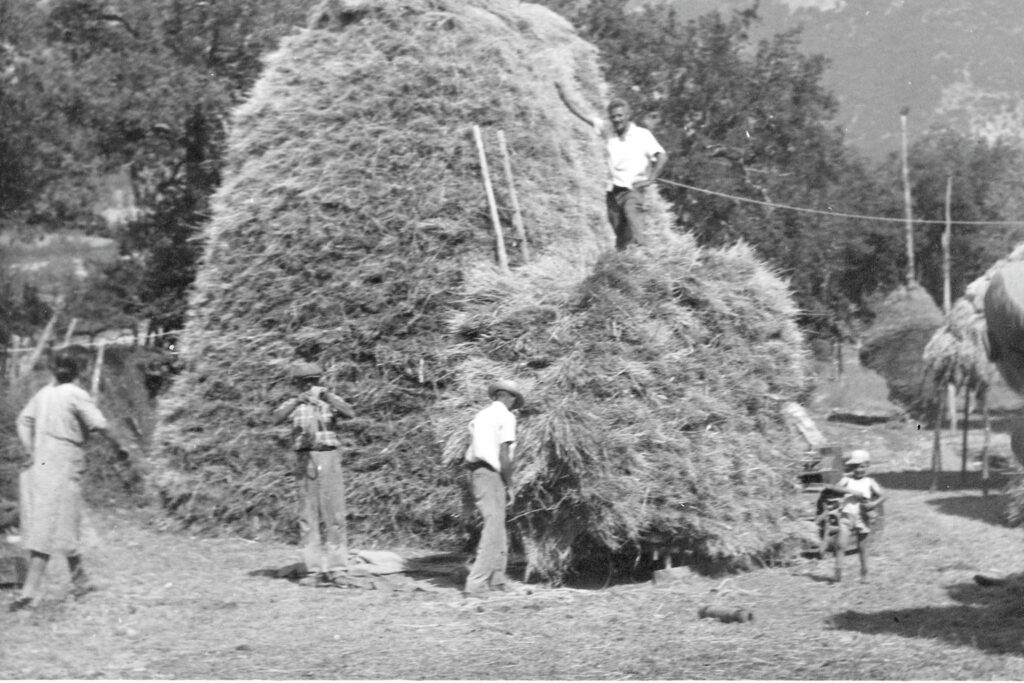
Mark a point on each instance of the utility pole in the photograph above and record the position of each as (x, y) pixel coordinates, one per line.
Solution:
(947, 292)
(906, 199)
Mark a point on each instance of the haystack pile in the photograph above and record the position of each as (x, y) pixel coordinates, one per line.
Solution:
(956, 353)
(894, 344)
(352, 229)
(654, 425)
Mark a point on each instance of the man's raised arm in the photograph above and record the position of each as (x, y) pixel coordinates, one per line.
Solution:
(580, 114)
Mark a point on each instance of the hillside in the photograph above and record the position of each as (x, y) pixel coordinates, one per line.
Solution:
(948, 60)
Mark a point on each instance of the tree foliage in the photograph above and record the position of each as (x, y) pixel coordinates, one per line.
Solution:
(89, 87)
(753, 120)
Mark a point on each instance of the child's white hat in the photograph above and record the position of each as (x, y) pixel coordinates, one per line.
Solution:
(858, 457)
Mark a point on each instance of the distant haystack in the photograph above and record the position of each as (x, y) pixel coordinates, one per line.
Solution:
(352, 229)
(893, 346)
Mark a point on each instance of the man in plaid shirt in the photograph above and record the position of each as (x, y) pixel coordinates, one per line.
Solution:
(321, 483)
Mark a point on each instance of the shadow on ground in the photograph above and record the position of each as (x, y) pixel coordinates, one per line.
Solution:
(921, 480)
(991, 619)
(990, 508)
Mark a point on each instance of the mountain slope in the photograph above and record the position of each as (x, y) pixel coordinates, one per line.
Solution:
(947, 60)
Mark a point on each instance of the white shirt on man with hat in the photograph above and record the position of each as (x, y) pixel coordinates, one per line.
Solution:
(491, 427)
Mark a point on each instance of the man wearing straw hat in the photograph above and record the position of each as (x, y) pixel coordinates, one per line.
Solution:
(53, 429)
(635, 160)
(321, 482)
(489, 459)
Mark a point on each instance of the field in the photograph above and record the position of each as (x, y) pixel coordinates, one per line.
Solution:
(173, 606)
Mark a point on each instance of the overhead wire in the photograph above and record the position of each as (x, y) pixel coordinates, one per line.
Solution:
(823, 212)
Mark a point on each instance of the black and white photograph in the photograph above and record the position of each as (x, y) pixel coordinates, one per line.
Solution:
(506, 340)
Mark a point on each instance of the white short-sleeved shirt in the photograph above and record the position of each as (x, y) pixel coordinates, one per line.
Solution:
(492, 426)
(865, 486)
(629, 155)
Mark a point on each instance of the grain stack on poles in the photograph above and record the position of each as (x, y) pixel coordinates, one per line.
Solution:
(350, 213)
(995, 301)
(956, 356)
(352, 226)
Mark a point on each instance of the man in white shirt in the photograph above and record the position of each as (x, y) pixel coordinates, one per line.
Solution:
(489, 459)
(635, 160)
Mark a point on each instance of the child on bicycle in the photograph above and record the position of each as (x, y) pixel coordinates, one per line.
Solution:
(861, 496)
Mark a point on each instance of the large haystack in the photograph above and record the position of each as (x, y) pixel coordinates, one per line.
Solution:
(351, 206)
(353, 227)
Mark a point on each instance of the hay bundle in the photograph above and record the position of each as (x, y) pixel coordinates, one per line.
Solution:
(654, 420)
(351, 206)
(894, 345)
(956, 352)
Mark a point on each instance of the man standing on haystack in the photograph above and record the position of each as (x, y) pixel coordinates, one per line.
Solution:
(321, 483)
(635, 160)
(489, 459)
(53, 429)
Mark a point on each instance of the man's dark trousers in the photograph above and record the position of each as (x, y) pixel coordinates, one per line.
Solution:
(626, 214)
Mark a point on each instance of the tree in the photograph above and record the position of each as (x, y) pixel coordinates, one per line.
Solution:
(89, 86)
(752, 120)
(981, 173)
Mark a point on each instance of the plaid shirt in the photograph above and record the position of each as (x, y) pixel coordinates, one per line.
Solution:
(311, 426)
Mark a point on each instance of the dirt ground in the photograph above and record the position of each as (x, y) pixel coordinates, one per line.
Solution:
(174, 606)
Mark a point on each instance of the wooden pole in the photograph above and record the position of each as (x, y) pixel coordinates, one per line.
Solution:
(947, 304)
(947, 235)
(517, 214)
(907, 206)
(498, 234)
(70, 331)
(937, 444)
(963, 452)
(983, 400)
(947, 296)
(97, 369)
(41, 344)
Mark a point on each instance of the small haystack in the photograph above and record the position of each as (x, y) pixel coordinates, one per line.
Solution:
(654, 424)
(352, 229)
(893, 346)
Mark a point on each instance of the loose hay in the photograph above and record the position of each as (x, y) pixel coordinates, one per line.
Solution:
(352, 229)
